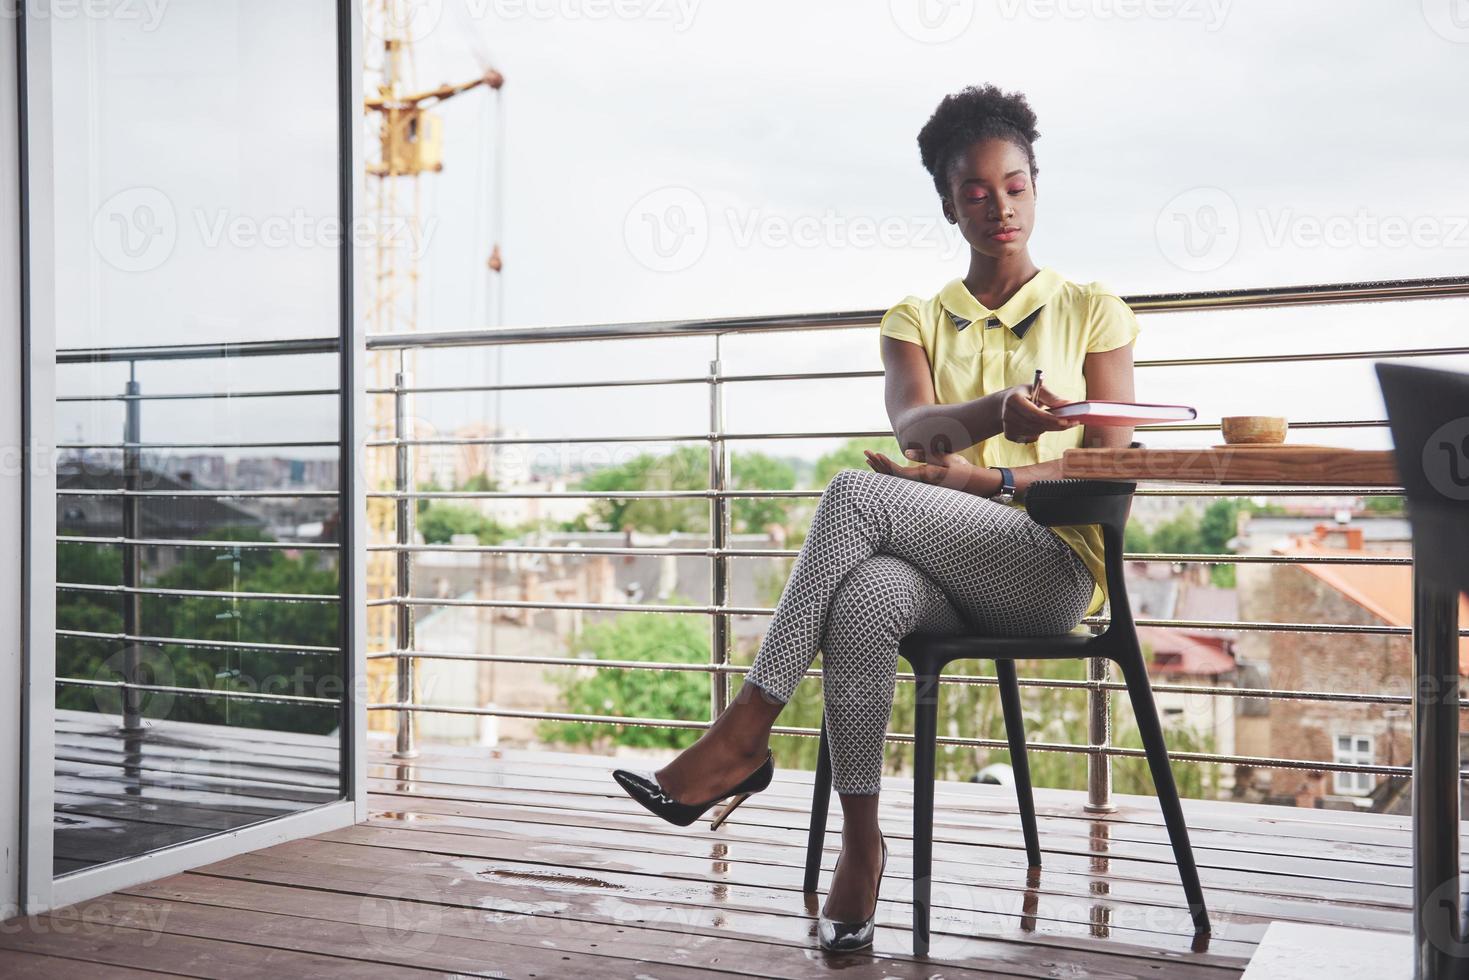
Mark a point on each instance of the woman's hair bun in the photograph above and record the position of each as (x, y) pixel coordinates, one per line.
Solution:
(972, 114)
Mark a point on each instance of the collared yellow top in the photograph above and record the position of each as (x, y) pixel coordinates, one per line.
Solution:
(1050, 323)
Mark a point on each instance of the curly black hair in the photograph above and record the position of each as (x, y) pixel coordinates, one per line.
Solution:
(968, 116)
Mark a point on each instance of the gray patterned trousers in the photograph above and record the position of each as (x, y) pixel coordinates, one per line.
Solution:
(886, 556)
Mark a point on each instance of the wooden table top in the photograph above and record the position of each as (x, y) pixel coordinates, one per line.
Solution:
(1266, 465)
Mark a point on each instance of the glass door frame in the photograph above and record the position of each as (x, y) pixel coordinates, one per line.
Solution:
(35, 264)
(12, 475)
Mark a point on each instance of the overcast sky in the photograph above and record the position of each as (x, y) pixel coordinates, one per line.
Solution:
(677, 158)
(772, 147)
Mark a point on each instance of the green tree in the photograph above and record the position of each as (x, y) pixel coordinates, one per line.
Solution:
(439, 522)
(1219, 524)
(686, 468)
(479, 483)
(848, 456)
(1217, 528)
(675, 694)
(428, 487)
(1384, 506)
(198, 618)
(757, 471)
(1136, 539)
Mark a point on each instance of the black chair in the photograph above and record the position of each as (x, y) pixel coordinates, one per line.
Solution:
(1428, 412)
(1053, 503)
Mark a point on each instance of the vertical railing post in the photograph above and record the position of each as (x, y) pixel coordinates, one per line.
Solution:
(719, 539)
(1099, 736)
(407, 511)
(132, 530)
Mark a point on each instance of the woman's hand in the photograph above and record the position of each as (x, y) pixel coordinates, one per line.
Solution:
(1024, 418)
(949, 470)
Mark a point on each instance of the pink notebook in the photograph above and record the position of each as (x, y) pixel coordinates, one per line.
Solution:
(1095, 412)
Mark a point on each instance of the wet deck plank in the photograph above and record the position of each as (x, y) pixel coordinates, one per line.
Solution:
(118, 795)
(535, 864)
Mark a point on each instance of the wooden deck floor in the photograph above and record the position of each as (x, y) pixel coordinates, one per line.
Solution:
(536, 865)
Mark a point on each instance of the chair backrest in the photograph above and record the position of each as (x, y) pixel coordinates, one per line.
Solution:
(1428, 411)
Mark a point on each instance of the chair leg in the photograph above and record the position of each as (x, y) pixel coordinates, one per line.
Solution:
(925, 737)
(820, 804)
(1145, 710)
(1019, 762)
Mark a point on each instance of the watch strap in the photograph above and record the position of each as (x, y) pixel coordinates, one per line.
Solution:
(1007, 483)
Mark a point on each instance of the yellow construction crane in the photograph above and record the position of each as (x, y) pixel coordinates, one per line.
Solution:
(409, 143)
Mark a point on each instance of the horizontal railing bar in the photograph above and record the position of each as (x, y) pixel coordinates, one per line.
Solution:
(184, 352)
(1267, 297)
(1388, 353)
(657, 551)
(1318, 424)
(559, 494)
(197, 593)
(969, 679)
(650, 329)
(1272, 559)
(1197, 624)
(532, 440)
(1225, 625)
(870, 373)
(1211, 490)
(1240, 490)
(199, 395)
(177, 641)
(121, 492)
(548, 385)
(585, 606)
(984, 743)
(1257, 298)
(197, 543)
(1345, 355)
(201, 691)
(816, 434)
(499, 549)
(276, 444)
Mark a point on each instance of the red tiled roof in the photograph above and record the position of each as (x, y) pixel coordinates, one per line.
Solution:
(1177, 651)
(1385, 591)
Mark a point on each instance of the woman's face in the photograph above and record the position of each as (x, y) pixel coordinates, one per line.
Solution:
(992, 198)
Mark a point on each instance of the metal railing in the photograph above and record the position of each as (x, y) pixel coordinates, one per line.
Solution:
(1098, 684)
(132, 542)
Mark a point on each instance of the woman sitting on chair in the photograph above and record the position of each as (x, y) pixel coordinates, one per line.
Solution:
(939, 542)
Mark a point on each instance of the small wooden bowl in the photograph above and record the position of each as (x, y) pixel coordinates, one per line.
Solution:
(1253, 430)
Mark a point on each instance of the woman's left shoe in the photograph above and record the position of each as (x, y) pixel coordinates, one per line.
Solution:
(644, 788)
(845, 937)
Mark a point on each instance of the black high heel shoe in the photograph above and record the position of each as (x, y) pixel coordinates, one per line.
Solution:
(844, 937)
(644, 788)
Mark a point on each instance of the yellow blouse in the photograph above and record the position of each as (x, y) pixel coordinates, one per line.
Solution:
(1051, 323)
